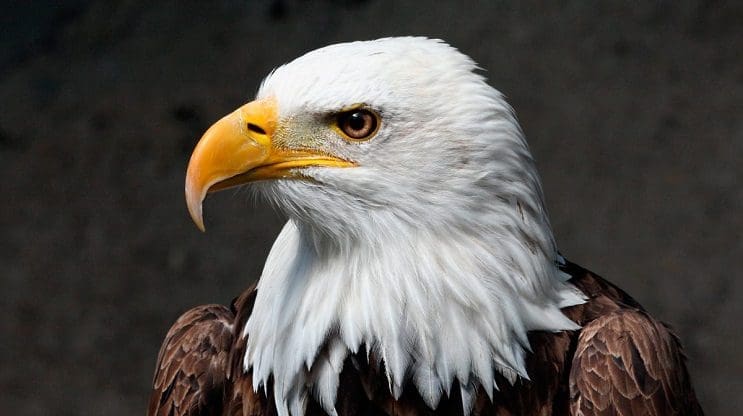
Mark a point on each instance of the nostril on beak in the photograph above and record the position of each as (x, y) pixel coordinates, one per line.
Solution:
(256, 128)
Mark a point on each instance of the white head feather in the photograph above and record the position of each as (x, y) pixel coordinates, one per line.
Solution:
(435, 253)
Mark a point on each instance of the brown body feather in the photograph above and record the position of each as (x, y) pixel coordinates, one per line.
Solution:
(622, 362)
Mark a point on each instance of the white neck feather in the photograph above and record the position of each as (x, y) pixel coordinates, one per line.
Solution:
(434, 306)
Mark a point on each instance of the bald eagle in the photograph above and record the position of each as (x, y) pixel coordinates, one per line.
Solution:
(417, 273)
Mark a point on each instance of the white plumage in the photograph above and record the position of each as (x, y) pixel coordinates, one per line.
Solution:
(435, 252)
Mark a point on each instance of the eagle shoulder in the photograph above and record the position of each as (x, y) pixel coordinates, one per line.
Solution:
(198, 370)
(627, 363)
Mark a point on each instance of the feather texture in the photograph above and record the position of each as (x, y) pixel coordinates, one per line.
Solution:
(623, 362)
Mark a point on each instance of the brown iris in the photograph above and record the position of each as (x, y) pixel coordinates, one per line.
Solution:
(358, 124)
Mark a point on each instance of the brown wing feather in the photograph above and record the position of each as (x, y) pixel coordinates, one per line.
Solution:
(199, 369)
(191, 373)
(626, 363)
(622, 362)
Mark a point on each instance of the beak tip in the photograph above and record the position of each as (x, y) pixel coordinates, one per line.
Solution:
(193, 201)
(200, 225)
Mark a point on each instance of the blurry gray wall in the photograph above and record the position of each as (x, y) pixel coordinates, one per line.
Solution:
(633, 114)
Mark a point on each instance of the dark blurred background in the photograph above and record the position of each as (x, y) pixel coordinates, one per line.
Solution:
(633, 113)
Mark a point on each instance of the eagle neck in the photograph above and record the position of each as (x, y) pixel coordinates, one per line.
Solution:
(410, 301)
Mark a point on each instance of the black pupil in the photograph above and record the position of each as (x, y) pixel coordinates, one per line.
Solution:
(357, 121)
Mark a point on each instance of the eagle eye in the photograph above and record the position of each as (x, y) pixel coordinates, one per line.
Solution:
(357, 124)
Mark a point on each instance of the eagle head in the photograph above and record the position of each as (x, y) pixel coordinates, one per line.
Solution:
(399, 133)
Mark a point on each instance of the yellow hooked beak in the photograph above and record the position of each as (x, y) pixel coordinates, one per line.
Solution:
(238, 149)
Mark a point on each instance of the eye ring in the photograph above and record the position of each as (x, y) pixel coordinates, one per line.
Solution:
(358, 124)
